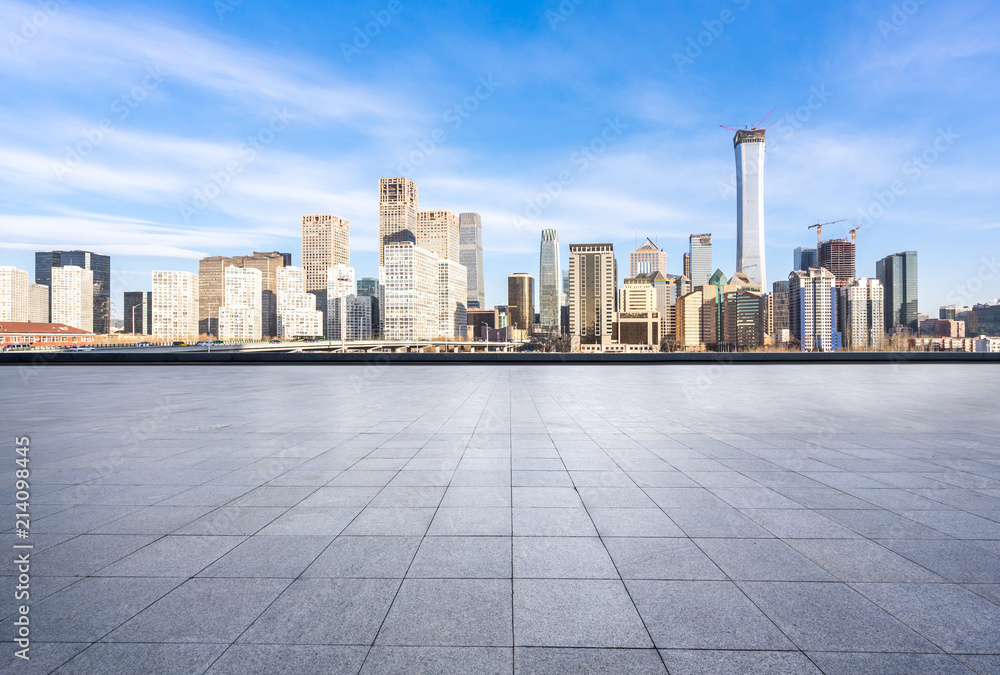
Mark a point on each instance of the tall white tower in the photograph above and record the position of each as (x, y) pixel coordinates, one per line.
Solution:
(749, 145)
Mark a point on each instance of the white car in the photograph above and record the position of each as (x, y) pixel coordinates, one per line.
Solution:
(81, 348)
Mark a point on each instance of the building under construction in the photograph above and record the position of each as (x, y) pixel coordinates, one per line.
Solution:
(837, 255)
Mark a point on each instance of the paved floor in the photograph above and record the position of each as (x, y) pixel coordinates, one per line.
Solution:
(690, 519)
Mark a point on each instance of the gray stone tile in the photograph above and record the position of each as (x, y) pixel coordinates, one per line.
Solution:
(755, 498)
(462, 558)
(722, 522)
(326, 521)
(365, 557)
(154, 520)
(981, 664)
(798, 524)
(488, 522)
(615, 497)
(956, 523)
(452, 612)
(84, 555)
(661, 558)
(541, 479)
(711, 662)
(213, 611)
(324, 612)
(273, 495)
(543, 497)
(240, 659)
(476, 497)
(628, 522)
(340, 496)
(168, 659)
(576, 613)
(44, 657)
(950, 616)
(562, 558)
(93, 607)
(762, 560)
(391, 521)
(443, 660)
(849, 663)
(881, 524)
(684, 498)
(832, 617)
(954, 560)
(703, 615)
(571, 522)
(172, 556)
(275, 557)
(555, 661)
(245, 520)
(393, 496)
(861, 560)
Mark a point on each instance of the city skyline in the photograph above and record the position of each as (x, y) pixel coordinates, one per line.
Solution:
(860, 113)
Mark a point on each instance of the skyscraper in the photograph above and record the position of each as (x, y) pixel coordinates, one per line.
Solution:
(38, 303)
(521, 303)
(700, 259)
(647, 258)
(296, 309)
(437, 232)
(100, 265)
(470, 254)
(837, 255)
(549, 305)
(341, 289)
(410, 278)
(593, 292)
(898, 274)
(13, 294)
(804, 258)
(211, 286)
(453, 293)
(369, 286)
(779, 306)
(749, 146)
(860, 314)
(139, 304)
(240, 317)
(73, 297)
(397, 213)
(175, 305)
(812, 309)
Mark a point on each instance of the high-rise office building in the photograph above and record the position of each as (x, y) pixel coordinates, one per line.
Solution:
(837, 255)
(175, 305)
(983, 320)
(240, 317)
(453, 293)
(73, 297)
(100, 265)
(14, 297)
(470, 254)
(38, 303)
(297, 315)
(139, 306)
(438, 232)
(860, 314)
(397, 213)
(521, 303)
(593, 292)
(779, 306)
(341, 285)
(898, 274)
(805, 257)
(687, 265)
(954, 312)
(549, 301)
(812, 309)
(326, 241)
(749, 147)
(743, 321)
(410, 281)
(700, 259)
(647, 258)
(211, 287)
(369, 286)
(638, 320)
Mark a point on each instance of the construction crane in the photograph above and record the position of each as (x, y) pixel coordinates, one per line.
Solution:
(819, 230)
(854, 237)
(755, 125)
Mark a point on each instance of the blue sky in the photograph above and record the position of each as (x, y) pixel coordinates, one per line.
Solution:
(206, 128)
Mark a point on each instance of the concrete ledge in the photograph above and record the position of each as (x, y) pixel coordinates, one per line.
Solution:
(334, 358)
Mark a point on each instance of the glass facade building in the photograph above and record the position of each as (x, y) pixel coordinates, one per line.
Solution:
(99, 264)
(549, 299)
(898, 274)
(470, 254)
